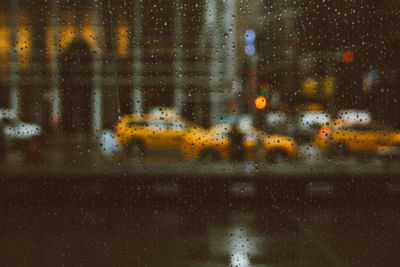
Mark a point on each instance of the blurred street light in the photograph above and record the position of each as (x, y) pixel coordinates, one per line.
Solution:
(348, 56)
(260, 102)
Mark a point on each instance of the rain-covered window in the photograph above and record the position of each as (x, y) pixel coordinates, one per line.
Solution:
(199, 132)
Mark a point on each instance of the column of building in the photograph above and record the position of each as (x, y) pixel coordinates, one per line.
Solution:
(231, 55)
(97, 109)
(220, 25)
(110, 95)
(179, 69)
(211, 32)
(14, 89)
(34, 102)
(137, 57)
(288, 41)
(55, 96)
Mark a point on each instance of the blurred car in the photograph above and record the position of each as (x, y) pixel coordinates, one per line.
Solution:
(280, 147)
(307, 122)
(214, 144)
(129, 130)
(278, 122)
(274, 118)
(21, 136)
(341, 137)
(160, 130)
(354, 116)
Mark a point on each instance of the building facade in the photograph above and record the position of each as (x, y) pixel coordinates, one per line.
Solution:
(75, 66)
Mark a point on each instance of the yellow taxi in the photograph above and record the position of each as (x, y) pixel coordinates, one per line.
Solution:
(213, 144)
(162, 130)
(358, 138)
(279, 146)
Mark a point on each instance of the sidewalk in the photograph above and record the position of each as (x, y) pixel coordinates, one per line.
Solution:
(57, 153)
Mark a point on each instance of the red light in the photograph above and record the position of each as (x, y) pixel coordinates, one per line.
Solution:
(324, 132)
(55, 120)
(348, 56)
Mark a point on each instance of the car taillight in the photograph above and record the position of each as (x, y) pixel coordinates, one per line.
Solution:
(324, 132)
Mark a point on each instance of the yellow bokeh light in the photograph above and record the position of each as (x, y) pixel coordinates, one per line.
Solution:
(122, 40)
(67, 34)
(4, 40)
(23, 45)
(310, 87)
(68, 31)
(88, 35)
(329, 86)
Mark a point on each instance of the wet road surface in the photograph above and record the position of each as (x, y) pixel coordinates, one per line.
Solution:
(93, 163)
(79, 210)
(121, 233)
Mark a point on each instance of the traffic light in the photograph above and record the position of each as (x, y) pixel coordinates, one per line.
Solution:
(265, 90)
(348, 56)
(249, 40)
(260, 102)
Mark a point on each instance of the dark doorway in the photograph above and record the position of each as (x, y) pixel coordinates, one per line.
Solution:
(196, 107)
(161, 95)
(125, 96)
(5, 96)
(76, 87)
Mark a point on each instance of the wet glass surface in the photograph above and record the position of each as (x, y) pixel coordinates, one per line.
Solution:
(199, 133)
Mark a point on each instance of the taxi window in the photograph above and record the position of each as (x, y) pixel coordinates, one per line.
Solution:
(137, 123)
(176, 125)
(372, 127)
(157, 125)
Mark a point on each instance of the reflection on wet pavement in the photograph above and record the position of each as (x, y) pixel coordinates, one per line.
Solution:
(121, 234)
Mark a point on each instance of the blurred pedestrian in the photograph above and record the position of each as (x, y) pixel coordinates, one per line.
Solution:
(236, 146)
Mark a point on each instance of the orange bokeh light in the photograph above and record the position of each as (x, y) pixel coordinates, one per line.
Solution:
(261, 102)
